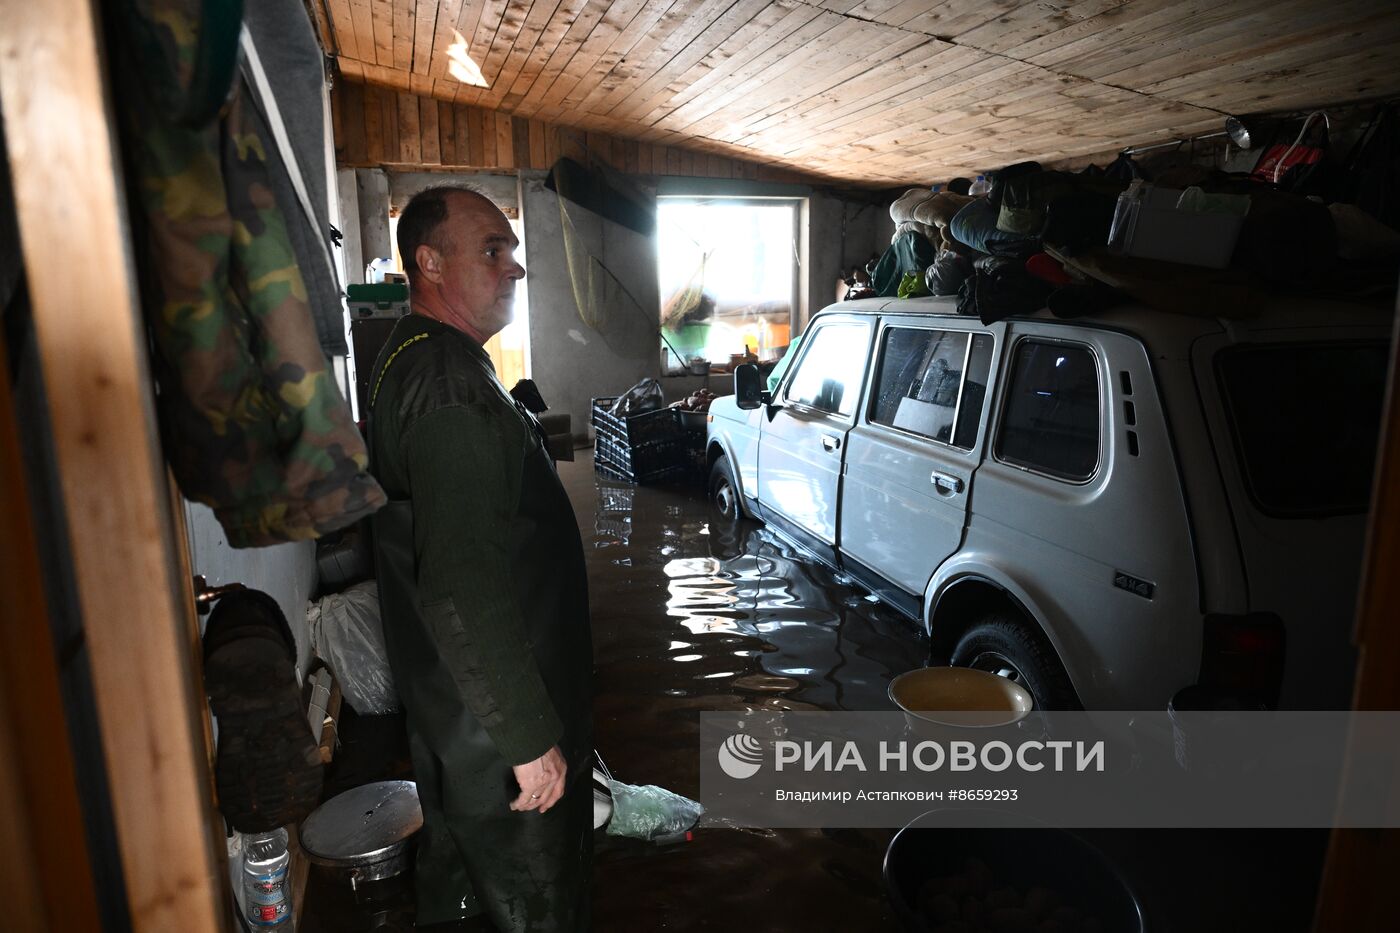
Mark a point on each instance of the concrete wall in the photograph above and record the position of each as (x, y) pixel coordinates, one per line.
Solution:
(571, 359)
(348, 203)
(286, 572)
(498, 186)
(372, 192)
(841, 233)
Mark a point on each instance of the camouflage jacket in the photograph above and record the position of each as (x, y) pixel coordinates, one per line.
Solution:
(252, 420)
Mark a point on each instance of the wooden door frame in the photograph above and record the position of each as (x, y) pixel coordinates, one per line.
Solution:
(76, 242)
(45, 882)
(1362, 863)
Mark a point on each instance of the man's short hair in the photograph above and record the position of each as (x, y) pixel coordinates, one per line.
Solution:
(421, 221)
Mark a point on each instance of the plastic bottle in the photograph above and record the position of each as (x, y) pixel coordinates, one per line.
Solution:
(936, 189)
(267, 902)
(979, 187)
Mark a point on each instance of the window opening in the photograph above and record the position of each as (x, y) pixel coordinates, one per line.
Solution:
(728, 279)
(932, 380)
(829, 374)
(1050, 422)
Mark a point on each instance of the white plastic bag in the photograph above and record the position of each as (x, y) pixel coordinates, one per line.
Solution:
(650, 812)
(346, 633)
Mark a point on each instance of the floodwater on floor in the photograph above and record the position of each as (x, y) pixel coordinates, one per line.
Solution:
(691, 614)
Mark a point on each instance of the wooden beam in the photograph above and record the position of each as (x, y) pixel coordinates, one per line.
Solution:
(91, 342)
(47, 876)
(431, 148)
(1362, 863)
(410, 136)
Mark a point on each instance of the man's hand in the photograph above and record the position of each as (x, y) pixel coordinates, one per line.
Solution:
(541, 781)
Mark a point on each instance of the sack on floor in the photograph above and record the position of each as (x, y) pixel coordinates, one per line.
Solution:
(650, 812)
(347, 634)
(640, 812)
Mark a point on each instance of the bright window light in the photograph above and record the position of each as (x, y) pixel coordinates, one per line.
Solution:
(461, 65)
(728, 273)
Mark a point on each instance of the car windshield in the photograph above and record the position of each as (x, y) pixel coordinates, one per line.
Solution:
(1305, 419)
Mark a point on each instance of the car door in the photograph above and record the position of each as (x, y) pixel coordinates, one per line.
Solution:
(802, 443)
(1078, 512)
(910, 458)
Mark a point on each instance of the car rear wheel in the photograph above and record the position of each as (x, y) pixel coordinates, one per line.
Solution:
(724, 491)
(1003, 644)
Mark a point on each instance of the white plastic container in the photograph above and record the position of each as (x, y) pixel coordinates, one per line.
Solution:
(980, 187)
(1148, 224)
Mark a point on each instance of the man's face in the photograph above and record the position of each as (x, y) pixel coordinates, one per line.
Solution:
(477, 266)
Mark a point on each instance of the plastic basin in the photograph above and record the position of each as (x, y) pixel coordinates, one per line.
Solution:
(959, 696)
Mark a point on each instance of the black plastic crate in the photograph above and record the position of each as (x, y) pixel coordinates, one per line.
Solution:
(645, 463)
(638, 429)
(641, 449)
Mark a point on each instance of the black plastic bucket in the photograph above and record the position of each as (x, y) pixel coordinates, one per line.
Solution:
(1018, 860)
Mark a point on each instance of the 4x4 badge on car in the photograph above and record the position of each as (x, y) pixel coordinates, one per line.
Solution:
(1133, 585)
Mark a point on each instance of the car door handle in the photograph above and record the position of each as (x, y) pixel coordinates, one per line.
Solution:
(946, 483)
(831, 442)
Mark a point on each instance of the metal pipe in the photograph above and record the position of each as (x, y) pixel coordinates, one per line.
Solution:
(1175, 142)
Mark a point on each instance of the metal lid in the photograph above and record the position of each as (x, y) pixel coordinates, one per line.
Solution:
(364, 825)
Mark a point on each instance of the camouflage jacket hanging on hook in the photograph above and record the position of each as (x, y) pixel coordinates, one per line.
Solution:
(253, 423)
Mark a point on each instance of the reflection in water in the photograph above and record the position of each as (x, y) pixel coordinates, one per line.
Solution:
(692, 613)
(796, 618)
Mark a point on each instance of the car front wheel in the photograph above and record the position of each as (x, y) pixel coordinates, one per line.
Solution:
(724, 491)
(1004, 645)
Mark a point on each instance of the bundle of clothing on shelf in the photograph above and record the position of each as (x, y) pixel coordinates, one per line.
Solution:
(1192, 239)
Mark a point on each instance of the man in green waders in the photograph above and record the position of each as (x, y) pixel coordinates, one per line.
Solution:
(483, 591)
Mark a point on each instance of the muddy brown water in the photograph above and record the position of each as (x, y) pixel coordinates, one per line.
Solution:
(692, 613)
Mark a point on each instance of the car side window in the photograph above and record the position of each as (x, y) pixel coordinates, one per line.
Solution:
(1050, 419)
(828, 376)
(930, 384)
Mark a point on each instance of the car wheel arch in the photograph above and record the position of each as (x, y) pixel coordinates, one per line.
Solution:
(718, 447)
(713, 451)
(966, 601)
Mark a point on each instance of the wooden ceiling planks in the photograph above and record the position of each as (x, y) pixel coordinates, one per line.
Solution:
(402, 36)
(657, 21)
(874, 91)
(544, 100)
(431, 133)
(768, 37)
(664, 54)
(1014, 31)
(524, 94)
(522, 70)
(769, 63)
(722, 58)
(507, 62)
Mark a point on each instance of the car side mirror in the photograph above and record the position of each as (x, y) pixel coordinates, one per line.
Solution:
(749, 392)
